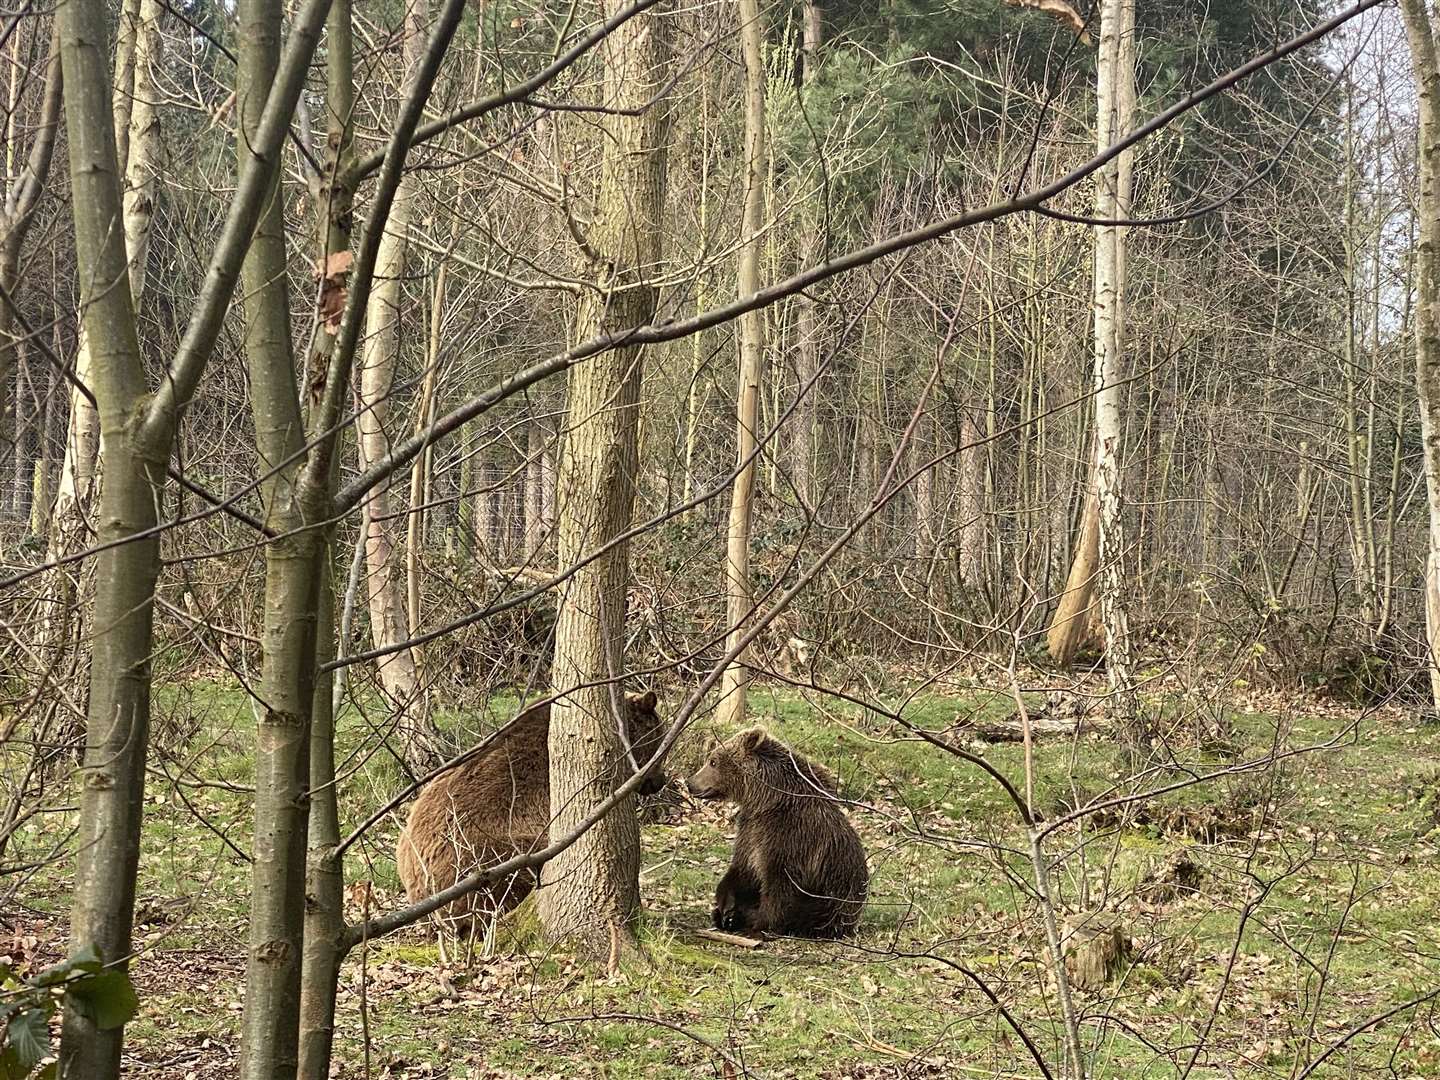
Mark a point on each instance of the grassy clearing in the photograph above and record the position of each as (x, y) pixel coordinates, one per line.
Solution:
(1308, 891)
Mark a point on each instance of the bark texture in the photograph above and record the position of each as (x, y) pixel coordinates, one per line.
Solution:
(118, 721)
(1421, 35)
(136, 129)
(384, 591)
(269, 1032)
(592, 888)
(1114, 185)
(1098, 562)
(738, 591)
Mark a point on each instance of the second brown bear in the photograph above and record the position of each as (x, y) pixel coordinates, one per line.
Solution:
(799, 867)
(495, 806)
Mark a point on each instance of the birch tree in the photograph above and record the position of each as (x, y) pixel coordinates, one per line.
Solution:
(1114, 185)
(1100, 547)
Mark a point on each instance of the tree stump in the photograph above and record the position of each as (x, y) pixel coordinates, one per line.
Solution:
(1097, 949)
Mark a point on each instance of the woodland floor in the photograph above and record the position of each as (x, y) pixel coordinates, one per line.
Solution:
(1324, 869)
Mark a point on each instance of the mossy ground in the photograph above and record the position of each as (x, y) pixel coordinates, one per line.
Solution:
(1312, 901)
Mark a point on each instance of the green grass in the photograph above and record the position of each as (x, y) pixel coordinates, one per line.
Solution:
(1348, 831)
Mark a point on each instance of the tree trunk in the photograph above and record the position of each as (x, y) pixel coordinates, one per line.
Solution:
(269, 1034)
(1070, 626)
(1362, 530)
(1421, 36)
(970, 543)
(144, 128)
(420, 469)
(739, 593)
(386, 598)
(591, 890)
(324, 928)
(118, 722)
(136, 128)
(21, 199)
(1098, 560)
(1113, 200)
(487, 514)
(805, 422)
(534, 488)
(324, 870)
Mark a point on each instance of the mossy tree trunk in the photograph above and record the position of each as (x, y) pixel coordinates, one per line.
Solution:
(591, 892)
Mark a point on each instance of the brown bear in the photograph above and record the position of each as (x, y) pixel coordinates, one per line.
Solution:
(495, 806)
(799, 867)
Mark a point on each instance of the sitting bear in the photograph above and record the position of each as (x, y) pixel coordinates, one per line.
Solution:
(798, 867)
(495, 806)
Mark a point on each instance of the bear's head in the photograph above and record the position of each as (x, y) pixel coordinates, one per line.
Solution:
(644, 731)
(753, 767)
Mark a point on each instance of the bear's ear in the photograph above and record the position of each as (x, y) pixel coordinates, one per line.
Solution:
(646, 701)
(752, 740)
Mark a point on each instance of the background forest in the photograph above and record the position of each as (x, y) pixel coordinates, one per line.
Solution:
(370, 370)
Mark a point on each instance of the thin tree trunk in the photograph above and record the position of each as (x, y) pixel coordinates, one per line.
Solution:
(420, 470)
(534, 488)
(144, 128)
(388, 623)
(970, 544)
(21, 199)
(118, 723)
(805, 422)
(324, 907)
(738, 590)
(136, 128)
(697, 390)
(548, 479)
(127, 33)
(269, 1035)
(591, 890)
(1357, 457)
(1421, 36)
(324, 929)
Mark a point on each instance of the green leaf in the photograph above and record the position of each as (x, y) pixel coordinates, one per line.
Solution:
(27, 1039)
(106, 997)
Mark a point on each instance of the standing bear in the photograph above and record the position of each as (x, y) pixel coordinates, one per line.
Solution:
(497, 805)
(798, 867)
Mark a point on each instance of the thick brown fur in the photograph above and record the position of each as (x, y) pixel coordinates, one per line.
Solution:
(495, 806)
(799, 867)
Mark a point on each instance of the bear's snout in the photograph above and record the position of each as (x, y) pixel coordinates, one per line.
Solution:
(702, 787)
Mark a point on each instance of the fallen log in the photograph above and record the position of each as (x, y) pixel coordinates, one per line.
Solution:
(738, 940)
(1011, 729)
